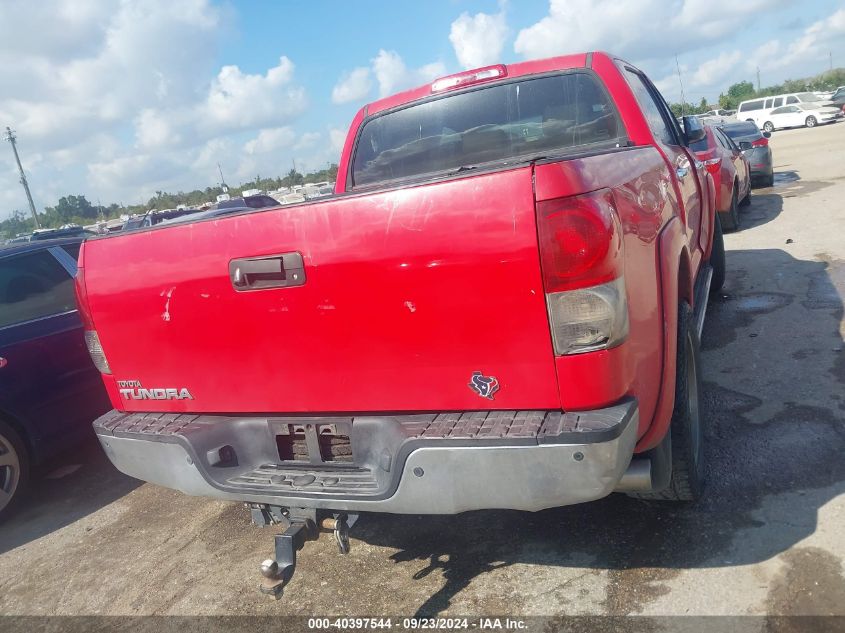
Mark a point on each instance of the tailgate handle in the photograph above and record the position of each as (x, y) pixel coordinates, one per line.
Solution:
(270, 271)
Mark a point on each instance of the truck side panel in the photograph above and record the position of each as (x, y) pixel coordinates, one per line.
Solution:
(645, 201)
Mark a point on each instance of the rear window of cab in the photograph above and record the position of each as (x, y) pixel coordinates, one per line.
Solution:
(502, 123)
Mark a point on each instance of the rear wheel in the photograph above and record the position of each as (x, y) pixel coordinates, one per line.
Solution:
(770, 180)
(730, 220)
(14, 468)
(747, 199)
(769, 127)
(810, 122)
(686, 429)
(717, 258)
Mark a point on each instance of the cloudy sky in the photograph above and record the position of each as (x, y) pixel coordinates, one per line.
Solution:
(115, 99)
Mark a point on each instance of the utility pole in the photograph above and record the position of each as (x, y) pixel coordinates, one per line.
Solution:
(683, 99)
(758, 79)
(10, 136)
(222, 180)
(830, 53)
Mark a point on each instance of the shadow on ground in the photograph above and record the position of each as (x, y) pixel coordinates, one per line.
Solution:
(764, 208)
(642, 544)
(70, 487)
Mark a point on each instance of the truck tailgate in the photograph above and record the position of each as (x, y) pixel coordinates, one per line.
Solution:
(407, 293)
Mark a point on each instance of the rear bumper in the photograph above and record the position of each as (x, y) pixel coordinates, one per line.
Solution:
(419, 464)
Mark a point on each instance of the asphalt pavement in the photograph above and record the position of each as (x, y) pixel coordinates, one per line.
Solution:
(766, 539)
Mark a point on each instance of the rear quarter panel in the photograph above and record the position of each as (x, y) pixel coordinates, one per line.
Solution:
(645, 200)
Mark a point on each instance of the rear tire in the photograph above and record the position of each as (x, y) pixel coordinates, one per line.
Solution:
(810, 122)
(717, 258)
(14, 468)
(747, 199)
(730, 220)
(769, 127)
(686, 429)
(770, 180)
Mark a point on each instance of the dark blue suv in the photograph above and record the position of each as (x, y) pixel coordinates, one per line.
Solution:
(50, 391)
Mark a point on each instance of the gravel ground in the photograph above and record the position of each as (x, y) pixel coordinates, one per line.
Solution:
(767, 538)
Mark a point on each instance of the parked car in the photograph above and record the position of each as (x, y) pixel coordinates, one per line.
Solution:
(510, 301)
(755, 145)
(54, 234)
(799, 116)
(837, 99)
(730, 171)
(135, 222)
(50, 391)
(721, 112)
(253, 202)
(756, 110)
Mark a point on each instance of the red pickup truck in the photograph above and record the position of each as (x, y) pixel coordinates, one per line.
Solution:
(500, 307)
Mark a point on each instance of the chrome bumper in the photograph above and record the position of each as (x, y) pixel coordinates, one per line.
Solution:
(421, 464)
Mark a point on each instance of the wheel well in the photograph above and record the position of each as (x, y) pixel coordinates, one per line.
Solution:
(21, 430)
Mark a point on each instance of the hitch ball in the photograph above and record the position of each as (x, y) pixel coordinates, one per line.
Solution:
(270, 569)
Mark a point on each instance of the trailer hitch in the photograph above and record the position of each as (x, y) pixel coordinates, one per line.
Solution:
(278, 571)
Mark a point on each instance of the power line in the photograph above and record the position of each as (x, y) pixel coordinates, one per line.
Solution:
(10, 136)
(683, 99)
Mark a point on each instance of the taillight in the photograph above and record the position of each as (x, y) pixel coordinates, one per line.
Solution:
(580, 242)
(82, 297)
(92, 339)
(760, 142)
(468, 78)
(712, 164)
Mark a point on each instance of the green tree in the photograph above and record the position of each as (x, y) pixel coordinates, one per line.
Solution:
(71, 209)
(736, 93)
(18, 224)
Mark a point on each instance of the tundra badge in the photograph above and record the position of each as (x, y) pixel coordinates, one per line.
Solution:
(484, 386)
(132, 390)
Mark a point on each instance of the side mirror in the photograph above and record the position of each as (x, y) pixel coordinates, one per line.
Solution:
(767, 134)
(745, 145)
(693, 129)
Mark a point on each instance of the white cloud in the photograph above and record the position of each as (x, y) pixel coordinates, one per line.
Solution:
(390, 71)
(270, 140)
(309, 139)
(813, 44)
(131, 172)
(802, 56)
(712, 72)
(152, 129)
(352, 86)
(478, 40)
(639, 30)
(337, 139)
(393, 75)
(240, 101)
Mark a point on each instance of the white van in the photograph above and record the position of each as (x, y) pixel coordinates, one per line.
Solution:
(756, 110)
